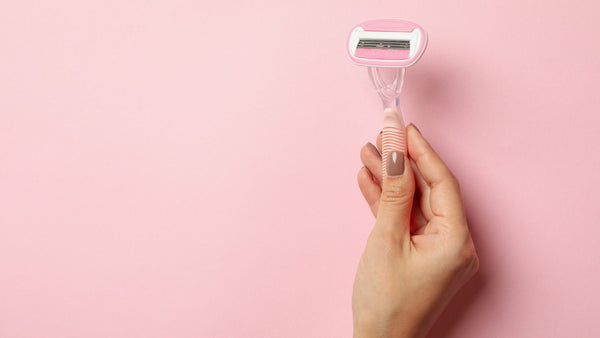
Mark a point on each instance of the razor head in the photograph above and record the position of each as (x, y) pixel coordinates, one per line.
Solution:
(387, 43)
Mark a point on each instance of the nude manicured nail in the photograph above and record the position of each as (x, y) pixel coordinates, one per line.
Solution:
(395, 163)
(373, 149)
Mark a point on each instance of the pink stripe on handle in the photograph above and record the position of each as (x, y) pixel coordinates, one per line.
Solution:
(393, 137)
(382, 54)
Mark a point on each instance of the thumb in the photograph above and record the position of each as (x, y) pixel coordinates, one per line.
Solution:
(397, 191)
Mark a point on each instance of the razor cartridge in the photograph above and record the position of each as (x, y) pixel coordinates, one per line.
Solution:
(387, 43)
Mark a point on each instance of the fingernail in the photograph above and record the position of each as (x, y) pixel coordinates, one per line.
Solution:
(395, 163)
(373, 149)
(416, 128)
(380, 132)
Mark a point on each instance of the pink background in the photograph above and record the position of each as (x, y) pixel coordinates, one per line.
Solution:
(187, 168)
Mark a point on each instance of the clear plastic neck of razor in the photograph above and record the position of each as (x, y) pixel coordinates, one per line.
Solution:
(388, 82)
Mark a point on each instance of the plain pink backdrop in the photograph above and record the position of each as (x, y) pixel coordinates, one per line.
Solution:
(188, 168)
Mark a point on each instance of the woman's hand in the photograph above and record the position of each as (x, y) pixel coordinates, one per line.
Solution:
(420, 251)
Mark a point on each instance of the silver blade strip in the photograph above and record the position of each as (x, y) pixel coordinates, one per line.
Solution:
(390, 44)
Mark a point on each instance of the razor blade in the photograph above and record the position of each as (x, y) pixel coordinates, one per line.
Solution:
(387, 43)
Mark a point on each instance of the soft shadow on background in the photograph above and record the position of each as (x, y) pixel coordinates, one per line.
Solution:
(436, 94)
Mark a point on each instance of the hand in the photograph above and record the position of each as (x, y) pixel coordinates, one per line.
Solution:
(420, 251)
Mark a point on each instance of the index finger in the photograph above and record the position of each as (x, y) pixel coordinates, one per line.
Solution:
(445, 198)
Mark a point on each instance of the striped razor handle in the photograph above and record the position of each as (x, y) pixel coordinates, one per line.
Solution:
(393, 137)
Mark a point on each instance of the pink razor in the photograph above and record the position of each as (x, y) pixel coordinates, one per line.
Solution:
(388, 46)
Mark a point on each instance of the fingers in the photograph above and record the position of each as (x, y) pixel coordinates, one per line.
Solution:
(370, 175)
(423, 191)
(370, 190)
(370, 157)
(445, 200)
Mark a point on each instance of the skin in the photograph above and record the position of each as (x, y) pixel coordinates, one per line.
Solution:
(420, 251)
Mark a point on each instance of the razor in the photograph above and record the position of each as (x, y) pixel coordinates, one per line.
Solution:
(387, 47)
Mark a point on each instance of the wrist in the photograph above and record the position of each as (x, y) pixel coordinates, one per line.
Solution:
(393, 328)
